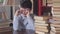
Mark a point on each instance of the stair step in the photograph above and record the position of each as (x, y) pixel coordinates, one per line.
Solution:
(5, 29)
(5, 24)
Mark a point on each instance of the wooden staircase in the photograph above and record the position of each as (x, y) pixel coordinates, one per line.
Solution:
(4, 26)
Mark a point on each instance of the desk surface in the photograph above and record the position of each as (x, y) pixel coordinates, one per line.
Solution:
(18, 32)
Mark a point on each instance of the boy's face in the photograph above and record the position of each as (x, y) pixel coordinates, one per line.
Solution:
(24, 10)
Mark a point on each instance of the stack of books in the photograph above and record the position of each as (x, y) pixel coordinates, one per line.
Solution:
(55, 26)
(56, 3)
(56, 8)
(56, 11)
(41, 25)
(52, 31)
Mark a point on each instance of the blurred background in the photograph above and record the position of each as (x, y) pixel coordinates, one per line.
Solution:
(46, 15)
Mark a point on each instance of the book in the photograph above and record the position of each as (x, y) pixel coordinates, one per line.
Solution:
(42, 30)
(56, 22)
(56, 8)
(41, 27)
(56, 19)
(57, 29)
(38, 32)
(56, 0)
(55, 25)
(40, 22)
(38, 18)
(56, 15)
(52, 32)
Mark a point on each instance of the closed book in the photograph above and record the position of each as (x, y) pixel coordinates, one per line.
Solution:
(40, 22)
(56, 0)
(41, 27)
(38, 32)
(38, 17)
(57, 29)
(56, 26)
(56, 18)
(56, 15)
(56, 4)
(52, 32)
(56, 8)
(56, 22)
(42, 30)
(58, 32)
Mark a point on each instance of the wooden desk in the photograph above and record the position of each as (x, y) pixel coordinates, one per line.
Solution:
(18, 32)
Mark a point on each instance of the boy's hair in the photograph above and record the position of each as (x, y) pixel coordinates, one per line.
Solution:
(26, 4)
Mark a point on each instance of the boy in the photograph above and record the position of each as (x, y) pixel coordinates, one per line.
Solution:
(22, 18)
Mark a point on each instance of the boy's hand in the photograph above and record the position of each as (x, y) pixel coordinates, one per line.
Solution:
(17, 13)
(27, 14)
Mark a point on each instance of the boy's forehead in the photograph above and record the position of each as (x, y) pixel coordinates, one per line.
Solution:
(23, 8)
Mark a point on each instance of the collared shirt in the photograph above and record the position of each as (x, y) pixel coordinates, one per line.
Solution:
(22, 22)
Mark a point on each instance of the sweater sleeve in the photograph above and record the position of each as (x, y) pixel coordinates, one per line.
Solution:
(30, 23)
(15, 23)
